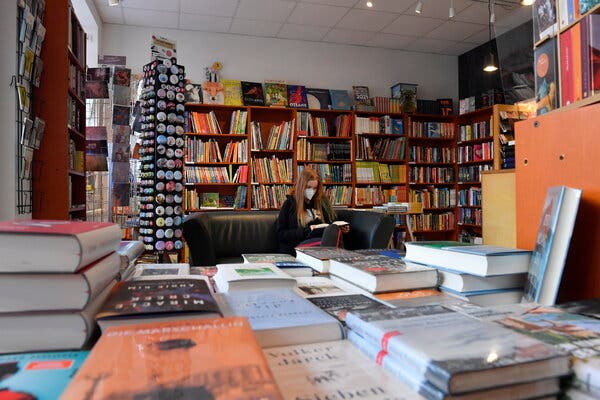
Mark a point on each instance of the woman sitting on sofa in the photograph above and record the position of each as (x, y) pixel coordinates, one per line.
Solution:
(303, 216)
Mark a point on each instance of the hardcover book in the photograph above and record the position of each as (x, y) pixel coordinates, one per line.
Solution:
(546, 79)
(266, 257)
(324, 370)
(340, 100)
(339, 306)
(544, 19)
(552, 244)
(462, 282)
(379, 273)
(489, 297)
(361, 95)
(276, 94)
(232, 277)
(318, 257)
(466, 355)
(232, 90)
(318, 98)
(297, 96)
(210, 200)
(157, 300)
(154, 271)
(252, 94)
(191, 359)
(280, 317)
(481, 260)
(318, 286)
(39, 376)
(55, 246)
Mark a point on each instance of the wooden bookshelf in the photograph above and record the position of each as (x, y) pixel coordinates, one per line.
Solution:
(59, 192)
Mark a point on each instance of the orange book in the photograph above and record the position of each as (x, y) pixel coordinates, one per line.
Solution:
(576, 43)
(410, 294)
(199, 359)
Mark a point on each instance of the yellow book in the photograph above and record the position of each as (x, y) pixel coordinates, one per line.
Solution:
(233, 92)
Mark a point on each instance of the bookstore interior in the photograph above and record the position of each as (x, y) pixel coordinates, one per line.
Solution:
(427, 164)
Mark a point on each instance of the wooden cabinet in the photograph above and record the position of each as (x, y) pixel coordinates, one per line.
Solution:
(562, 148)
(499, 208)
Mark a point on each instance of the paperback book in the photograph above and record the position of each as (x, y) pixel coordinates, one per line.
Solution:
(267, 257)
(233, 277)
(276, 94)
(318, 257)
(297, 96)
(340, 100)
(318, 99)
(339, 306)
(252, 94)
(232, 91)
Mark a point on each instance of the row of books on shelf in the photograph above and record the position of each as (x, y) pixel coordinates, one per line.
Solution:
(373, 171)
(75, 114)
(384, 124)
(195, 174)
(76, 157)
(77, 79)
(477, 130)
(432, 130)
(207, 123)
(318, 126)
(280, 136)
(470, 196)
(380, 148)
(437, 197)
(432, 222)
(472, 173)
(269, 196)
(419, 174)
(470, 216)
(199, 150)
(476, 152)
(76, 37)
(308, 151)
(423, 154)
(372, 195)
(272, 169)
(331, 172)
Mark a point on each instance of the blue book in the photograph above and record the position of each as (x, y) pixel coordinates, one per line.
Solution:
(397, 126)
(281, 317)
(340, 100)
(42, 376)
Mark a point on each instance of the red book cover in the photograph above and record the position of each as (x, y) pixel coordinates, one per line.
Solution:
(566, 68)
(51, 227)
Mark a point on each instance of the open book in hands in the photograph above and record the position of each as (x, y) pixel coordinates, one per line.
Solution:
(323, 226)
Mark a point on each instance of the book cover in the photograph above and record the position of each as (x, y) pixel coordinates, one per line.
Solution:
(361, 95)
(378, 265)
(546, 86)
(327, 370)
(231, 277)
(99, 74)
(594, 51)
(340, 100)
(466, 355)
(252, 94)
(193, 92)
(281, 317)
(339, 306)
(39, 376)
(567, 67)
(318, 98)
(486, 250)
(587, 5)
(297, 96)
(210, 199)
(589, 307)
(135, 298)
(446, 106)
(544, 19)
(276, 94)
(267, 257)
(144, 271)
(52, 227)
(232, 90)
(318, 286)
(318, 257)
(552, 244)
(192, 359)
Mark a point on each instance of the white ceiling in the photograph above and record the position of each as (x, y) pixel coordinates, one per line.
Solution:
(390, 24)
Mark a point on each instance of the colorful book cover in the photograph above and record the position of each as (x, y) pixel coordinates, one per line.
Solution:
(267, 257)
(567, 67)
(193, 92)
(297, 96)
(232, 90)
(276, 94)
(340, 100)
(361, 95)
(318, 99)
(544, 19)
(39, 376)
(379, 265)
(318, 286)
(190, 359)
(546, 87)
(210, 200)
(340, 306)
(252, 94)
(587, 5)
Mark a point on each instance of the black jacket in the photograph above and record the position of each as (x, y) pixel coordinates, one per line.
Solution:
(289, 233)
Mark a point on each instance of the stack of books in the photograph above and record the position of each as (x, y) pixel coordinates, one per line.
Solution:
(482, 274)
(54, 276)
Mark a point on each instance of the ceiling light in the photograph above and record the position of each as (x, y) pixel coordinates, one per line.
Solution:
(489, 64)
(493, 15)
(419, 8)
(369, 4)
(451, 10)
(527, 2)
(113, 2)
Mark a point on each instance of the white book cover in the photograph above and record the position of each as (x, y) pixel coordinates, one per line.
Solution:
(329, 369)
(316, 286)
(266, 257)
(462, 282)
(454, 352)
(159, 271)
(251, 276)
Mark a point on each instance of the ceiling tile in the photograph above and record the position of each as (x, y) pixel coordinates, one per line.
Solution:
(254, 27)
(459, 48)
(439, 8)
(207, 23)
(340, 3)
(157, 19)
(480, 37)
(430, 45)
(390, 41)
(477, 13)
(515, 18)
(110, 15)
(366, 20)
(397, 6)
(268, 10)
(409, 25)
(223, 8)
(348, 36)
(302, 32)
(455, 30)
(160, 5)
(316, 14)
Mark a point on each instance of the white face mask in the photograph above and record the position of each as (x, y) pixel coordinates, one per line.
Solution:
(309, 193)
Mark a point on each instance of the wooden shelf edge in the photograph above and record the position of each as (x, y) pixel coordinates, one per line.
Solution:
(214, 184)
(75, 132)
(210, 135)
(76, 97)
(76, 173)
(75, 60)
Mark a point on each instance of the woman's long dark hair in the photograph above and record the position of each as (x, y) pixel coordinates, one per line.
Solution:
(320, 201)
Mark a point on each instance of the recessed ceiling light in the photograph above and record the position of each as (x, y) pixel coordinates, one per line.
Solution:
(369, 4)
(419, 8)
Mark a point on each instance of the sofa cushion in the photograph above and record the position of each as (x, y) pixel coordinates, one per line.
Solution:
(239, 232)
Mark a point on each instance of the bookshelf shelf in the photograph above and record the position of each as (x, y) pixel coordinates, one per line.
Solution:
(214, 184)
(271, 183)
(76, 97)
(75, 60)
(381, 135)
(326, 138)
(466, 206)
(75, 133)
(475, 141)
(379, 183)
(433, 164)
(469, 225)
(217, 135)
(477, 162)
(324, 162)
(213, 163)
(77, 173)
(474, 183)
(432, 183)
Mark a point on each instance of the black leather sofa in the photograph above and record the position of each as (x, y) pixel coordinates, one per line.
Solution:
(223, 236)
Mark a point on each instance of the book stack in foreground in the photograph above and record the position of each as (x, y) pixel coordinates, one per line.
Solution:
(445, 354)
(482, 274)
(54, 276)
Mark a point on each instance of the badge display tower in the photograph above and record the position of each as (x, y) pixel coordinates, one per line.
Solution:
(161, 155)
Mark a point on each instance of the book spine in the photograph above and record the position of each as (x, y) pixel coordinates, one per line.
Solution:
(566, 68)
(585, 58)
(576, 51)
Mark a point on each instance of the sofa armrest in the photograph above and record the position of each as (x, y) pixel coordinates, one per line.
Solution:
(199, 240)
(368, 229)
